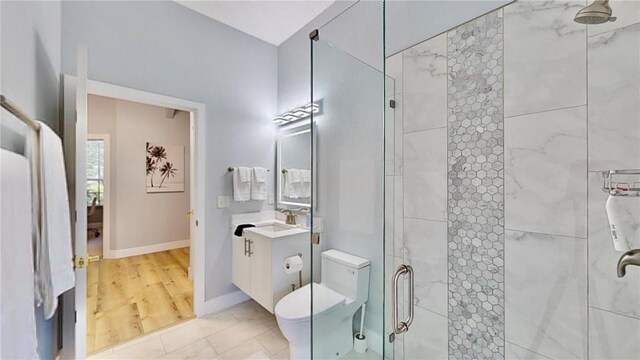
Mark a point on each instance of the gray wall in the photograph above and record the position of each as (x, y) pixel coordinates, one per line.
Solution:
(165, 48)
(293, 60)
(30, 72)
(137, 217)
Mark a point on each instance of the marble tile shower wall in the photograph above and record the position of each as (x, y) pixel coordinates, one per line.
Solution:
(476, 189)
(571, 109)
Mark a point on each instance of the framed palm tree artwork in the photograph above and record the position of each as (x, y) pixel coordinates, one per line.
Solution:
(165, 168)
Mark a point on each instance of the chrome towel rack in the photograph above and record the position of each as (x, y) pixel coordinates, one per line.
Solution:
(232, 169)
(10, 107)
(35, 126)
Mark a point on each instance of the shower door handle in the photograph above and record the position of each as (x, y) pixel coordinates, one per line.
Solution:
(400, 327)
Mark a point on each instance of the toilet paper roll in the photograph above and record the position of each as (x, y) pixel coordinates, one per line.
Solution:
(292, 264)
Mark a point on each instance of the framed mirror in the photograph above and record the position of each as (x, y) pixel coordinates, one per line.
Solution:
(294, 168)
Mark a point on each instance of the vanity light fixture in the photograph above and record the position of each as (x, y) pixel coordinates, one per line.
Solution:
(298, 113)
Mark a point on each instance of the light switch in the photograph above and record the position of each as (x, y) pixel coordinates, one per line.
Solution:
(224, 201)
(271, 198)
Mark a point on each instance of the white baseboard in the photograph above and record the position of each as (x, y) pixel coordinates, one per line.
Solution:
(224, 302)
(116, 254)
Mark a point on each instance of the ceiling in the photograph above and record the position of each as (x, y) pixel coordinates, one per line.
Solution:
(271, 21)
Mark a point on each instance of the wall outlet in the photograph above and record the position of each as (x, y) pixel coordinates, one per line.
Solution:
(224, 201)
(271, 198)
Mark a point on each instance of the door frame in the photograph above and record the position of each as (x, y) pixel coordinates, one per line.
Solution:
(197, 180)
(74, 124)
(106, 205)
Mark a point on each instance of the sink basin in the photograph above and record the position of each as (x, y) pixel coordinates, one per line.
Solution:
(275, 227)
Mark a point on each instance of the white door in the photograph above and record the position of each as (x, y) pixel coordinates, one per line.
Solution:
(81, 202)
(193, 217)
(74, 322)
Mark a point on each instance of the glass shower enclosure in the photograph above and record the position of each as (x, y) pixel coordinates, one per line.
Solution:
(467, 162)
(348, 163)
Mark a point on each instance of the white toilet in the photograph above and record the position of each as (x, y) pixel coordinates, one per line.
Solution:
(344, 288)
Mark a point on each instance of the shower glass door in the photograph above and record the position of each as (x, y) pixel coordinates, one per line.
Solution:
(509, 122)
(348, 200)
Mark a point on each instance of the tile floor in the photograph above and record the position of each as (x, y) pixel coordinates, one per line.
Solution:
(246, 331)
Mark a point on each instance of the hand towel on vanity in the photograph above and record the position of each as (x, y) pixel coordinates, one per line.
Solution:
(55, 271)
(305, 183)
(259, 184)
(240, 229)
(242, 183)
(18, 328)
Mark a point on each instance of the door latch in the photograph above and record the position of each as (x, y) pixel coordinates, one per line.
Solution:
(80, 262)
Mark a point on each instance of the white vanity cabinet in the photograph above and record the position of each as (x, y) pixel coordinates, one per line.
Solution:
(258, 258)
(241, 264)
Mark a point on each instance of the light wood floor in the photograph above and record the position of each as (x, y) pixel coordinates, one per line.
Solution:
(137, 295)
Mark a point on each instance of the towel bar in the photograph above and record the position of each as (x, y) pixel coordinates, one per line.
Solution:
(231, 169)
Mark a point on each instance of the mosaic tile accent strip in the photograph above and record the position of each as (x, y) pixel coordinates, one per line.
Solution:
(476, 189)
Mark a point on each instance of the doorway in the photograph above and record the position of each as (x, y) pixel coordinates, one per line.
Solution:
(98, 181)
(138, 223)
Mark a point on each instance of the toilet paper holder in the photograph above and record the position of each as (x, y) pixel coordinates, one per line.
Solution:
(293, 286)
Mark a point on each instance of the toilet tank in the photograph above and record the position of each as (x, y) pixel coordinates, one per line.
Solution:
(346, 274)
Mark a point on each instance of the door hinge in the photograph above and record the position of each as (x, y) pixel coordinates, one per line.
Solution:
(314, 35)
(315, 238)
(75, 316)
(392, 104)
(75, 216)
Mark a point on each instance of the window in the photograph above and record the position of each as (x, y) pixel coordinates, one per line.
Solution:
(95, 171)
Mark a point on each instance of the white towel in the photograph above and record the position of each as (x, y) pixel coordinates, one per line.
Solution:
(295, 176)
(18, 325)
(55, 273)
(291, 185)
(297, 183)
(242, 184)
(33, 154)
(259, 184)
(305, 183)
(245, 173)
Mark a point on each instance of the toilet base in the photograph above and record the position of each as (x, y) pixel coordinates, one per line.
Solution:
(332, 339)
(299, 352)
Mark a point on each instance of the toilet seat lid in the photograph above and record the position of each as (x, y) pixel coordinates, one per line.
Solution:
(297, 305)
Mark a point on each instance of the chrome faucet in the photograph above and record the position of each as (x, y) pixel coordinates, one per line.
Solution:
(291, 219)
(629, 258)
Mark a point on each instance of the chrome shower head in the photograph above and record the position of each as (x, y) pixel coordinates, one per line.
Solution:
(597, 13)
